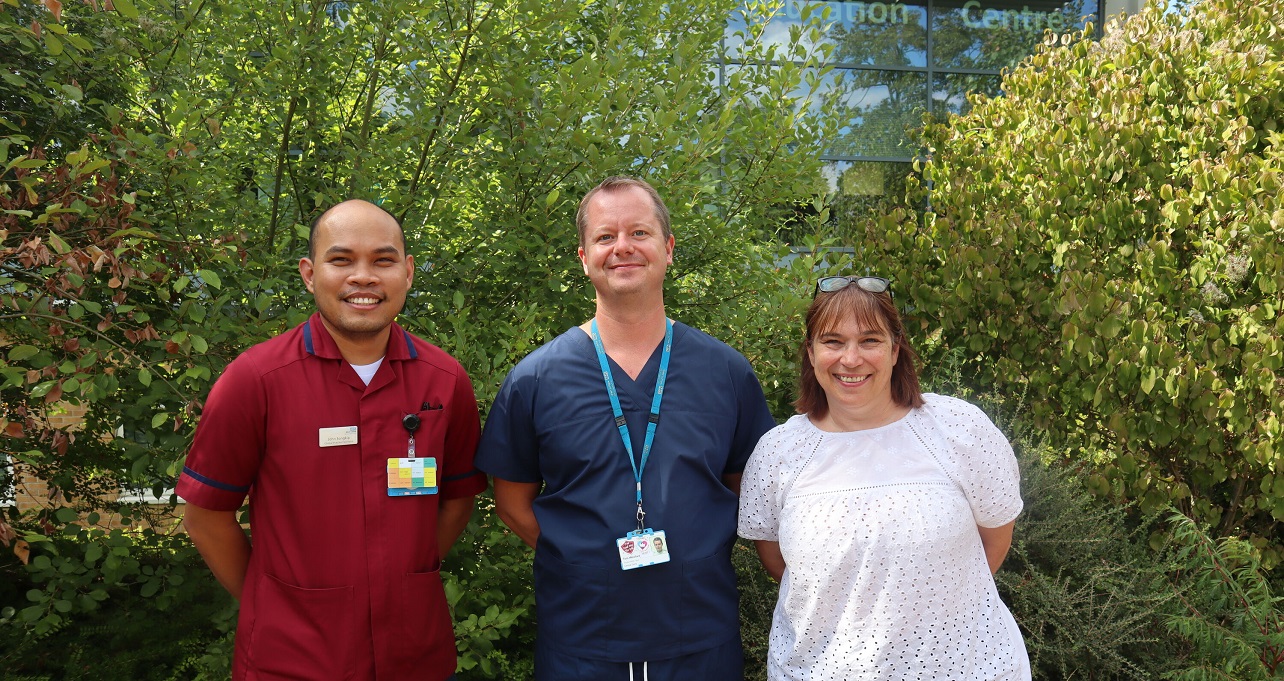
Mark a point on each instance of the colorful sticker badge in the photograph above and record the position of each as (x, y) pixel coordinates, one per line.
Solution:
(412, 477)
(641, 548)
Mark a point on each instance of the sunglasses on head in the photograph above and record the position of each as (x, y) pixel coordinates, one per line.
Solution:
(871, 284)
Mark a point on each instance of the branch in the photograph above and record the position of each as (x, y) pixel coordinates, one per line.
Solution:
(95, 332)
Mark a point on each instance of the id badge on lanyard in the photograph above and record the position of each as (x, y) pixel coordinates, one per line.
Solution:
(643, 546)
(411, 476)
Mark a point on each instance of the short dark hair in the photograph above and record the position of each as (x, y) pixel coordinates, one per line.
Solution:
(827, 311)
(616, 183)
(312, 231)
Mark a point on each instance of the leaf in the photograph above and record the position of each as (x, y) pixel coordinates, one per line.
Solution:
(126, 8)
(60, 246)
(53, 44)
(78, 42)
(158, 419)
(210, 278)
(20, 352)
(42, 389)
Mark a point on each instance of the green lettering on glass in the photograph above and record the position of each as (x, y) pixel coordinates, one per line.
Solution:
(853, 13)
(974, 16)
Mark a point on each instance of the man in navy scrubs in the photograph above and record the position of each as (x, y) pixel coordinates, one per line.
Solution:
(354, 441)
(616, 451)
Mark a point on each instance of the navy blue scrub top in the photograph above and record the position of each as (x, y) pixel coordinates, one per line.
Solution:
(552, 422)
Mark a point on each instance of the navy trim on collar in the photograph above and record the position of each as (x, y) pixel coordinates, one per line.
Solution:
(214, 483)
(308, 344)
(410, 345)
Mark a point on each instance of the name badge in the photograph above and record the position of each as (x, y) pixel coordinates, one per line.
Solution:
(409, 477)
(641, 548)
(337, 437)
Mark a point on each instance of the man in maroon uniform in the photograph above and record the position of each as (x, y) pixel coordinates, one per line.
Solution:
(354, 441)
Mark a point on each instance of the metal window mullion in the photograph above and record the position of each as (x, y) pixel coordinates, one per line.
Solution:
(931, 53)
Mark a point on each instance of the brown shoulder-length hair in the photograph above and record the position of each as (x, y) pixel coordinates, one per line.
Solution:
(873, 309)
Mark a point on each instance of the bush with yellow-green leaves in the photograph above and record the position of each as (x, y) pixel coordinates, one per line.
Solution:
(1108, 239)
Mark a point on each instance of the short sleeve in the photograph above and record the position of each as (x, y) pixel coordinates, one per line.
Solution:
(762, 489)
(509, 448)
(753, 418)
(460, 477)
(228, 446)
(985, 465)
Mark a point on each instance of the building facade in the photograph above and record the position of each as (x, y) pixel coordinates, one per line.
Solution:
(895, 62)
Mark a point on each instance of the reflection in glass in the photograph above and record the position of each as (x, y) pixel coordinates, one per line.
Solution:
(879, 34)
(881, 107)
(997, 34)
(860, 193)
(775, 31)
(950, 91)
(885, 60)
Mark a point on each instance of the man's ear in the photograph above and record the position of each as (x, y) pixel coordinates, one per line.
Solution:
(306, 271)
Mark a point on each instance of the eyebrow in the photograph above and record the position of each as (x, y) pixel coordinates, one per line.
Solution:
(344, 250)
(863, 333)
(611, 227)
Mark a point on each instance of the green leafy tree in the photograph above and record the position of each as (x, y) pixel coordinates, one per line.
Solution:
(151, 241)
(1107, 239)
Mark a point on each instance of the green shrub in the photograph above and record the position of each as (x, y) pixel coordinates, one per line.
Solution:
(1081, 579)
(1229, 612)
(489, 587)
(1108, 238)
(1082, 582)
(758, 594)
(127, 638)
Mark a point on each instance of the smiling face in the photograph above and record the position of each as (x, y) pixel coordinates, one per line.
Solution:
(853, 363)
(625, 248)
(359, 275)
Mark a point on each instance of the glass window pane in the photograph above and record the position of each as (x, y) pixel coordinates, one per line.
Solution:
(994, 34)
(950, 91)
(881, 107)
(774, 32)
(860, 193)
(872, 33)
(879, 33)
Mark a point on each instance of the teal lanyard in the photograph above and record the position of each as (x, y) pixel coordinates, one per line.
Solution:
(654, 418)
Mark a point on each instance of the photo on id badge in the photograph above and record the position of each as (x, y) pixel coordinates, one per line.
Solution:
(641, 548)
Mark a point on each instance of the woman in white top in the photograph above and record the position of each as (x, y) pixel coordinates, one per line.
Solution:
(882, 511)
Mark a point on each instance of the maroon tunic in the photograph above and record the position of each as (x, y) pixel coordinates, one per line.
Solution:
(343, 579)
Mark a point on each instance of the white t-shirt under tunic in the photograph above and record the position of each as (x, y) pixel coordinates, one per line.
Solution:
(885, 576)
